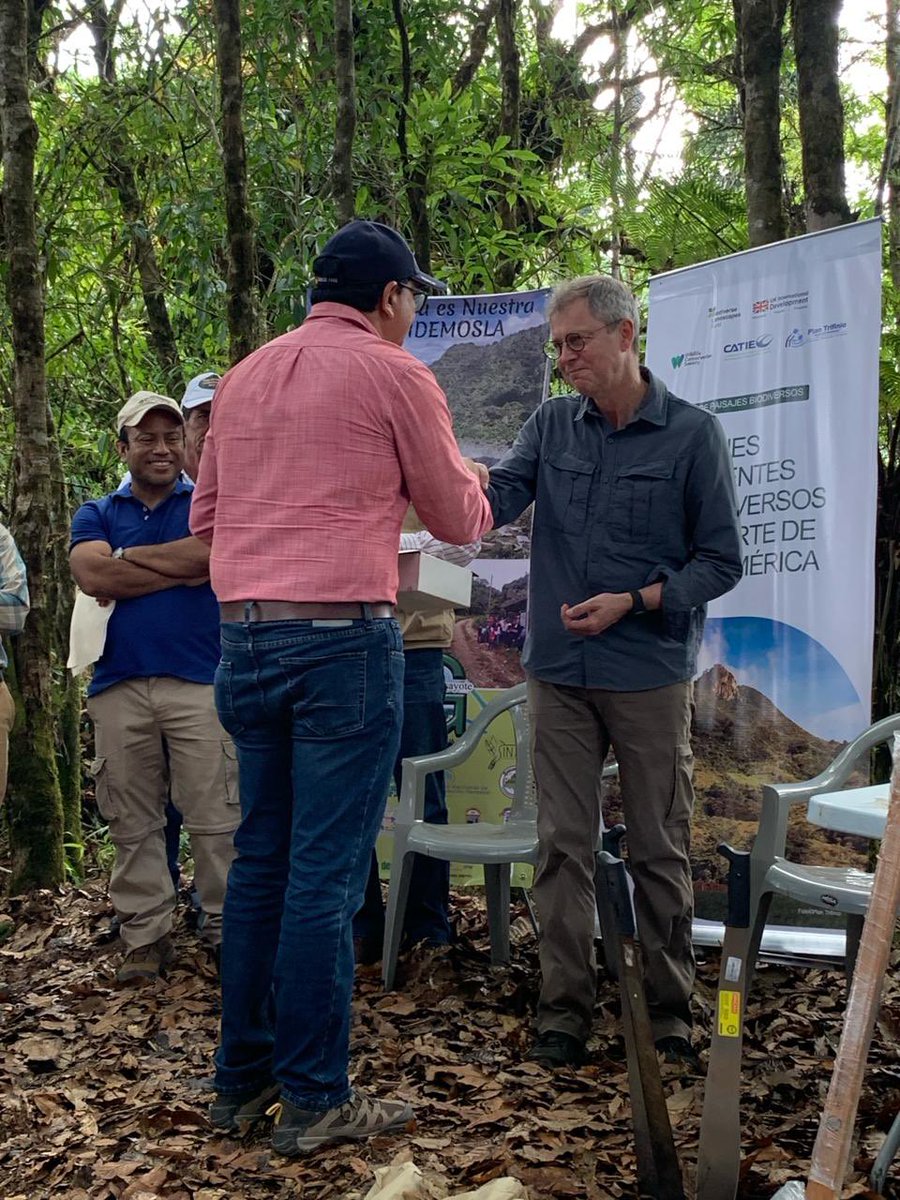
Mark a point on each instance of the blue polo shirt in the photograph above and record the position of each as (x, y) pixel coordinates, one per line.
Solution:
(175, 632)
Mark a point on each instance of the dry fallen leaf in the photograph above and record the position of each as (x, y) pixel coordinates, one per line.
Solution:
(119, 1110)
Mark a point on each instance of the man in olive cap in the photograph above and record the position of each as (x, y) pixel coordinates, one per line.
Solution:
(151, 696)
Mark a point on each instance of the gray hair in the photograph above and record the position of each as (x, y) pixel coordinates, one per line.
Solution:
(608, 299)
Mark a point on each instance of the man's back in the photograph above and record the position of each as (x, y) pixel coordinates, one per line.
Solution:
(317, 442)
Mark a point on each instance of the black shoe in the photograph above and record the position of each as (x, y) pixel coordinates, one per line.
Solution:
(678, 1051)
(237, 1113)
(367, 950)
(557, 1049)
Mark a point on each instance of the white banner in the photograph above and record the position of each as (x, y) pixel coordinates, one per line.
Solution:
(782, 344)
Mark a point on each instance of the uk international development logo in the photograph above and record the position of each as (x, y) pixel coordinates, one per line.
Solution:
(760, 306)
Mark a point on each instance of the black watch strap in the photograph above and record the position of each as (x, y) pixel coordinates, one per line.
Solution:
(637, 602)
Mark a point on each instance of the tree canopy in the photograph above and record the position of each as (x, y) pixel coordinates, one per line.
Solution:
(191, 158)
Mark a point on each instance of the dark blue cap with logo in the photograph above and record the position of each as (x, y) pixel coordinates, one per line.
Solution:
(365, 253)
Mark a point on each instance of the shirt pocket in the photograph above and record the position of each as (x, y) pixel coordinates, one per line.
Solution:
(645, 498)
(567, 490)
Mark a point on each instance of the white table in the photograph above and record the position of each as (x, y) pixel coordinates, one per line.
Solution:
(861, 811)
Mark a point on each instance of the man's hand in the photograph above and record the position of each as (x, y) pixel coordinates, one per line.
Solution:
(593, 616)
(479, 470)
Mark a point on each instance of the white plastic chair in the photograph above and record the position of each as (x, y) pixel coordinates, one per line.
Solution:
(494, 846)
(840, 889)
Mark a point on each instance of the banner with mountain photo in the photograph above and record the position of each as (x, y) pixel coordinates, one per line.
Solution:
(487, 354)
(782, 344)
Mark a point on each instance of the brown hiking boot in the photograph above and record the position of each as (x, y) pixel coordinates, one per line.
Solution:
(297, 1130)
(146, 962)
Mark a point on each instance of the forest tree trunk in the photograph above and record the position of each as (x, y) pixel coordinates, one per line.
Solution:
(345, 119)
(34, 803)
(815, 24)
(242, 307)
(119, 174)
(510, 102)
(415, 174)
(760, 33)
(886, 679)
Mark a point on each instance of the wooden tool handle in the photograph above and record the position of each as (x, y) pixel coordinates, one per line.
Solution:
(832, 1149)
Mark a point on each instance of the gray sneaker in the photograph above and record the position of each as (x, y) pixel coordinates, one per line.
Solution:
(146, 962)
(237, 1113)
(297, 1130)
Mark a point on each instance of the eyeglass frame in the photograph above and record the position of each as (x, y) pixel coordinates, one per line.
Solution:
(418, 304)
(553, 350)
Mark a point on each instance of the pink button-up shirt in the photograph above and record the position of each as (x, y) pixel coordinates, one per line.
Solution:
(318, 442)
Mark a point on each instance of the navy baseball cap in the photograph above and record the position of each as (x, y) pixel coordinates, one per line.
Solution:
(367, 252)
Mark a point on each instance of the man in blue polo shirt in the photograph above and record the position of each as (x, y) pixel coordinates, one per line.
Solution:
(153, 685)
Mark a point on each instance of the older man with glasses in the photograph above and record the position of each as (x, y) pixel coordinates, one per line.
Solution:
(635, 529)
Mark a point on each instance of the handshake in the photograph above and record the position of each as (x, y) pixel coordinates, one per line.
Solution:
(479, 470)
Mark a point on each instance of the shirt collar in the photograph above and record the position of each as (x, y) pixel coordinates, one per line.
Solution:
(343, 312)
(182, 484)
(653, 407)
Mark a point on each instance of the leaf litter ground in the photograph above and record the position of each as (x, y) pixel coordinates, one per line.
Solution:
(103, 1088)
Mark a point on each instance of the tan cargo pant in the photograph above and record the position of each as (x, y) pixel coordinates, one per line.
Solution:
(131, 774)
(572, 729)
(7, 720)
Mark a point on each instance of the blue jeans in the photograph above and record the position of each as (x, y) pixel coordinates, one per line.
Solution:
(315, 714)
(424, 732)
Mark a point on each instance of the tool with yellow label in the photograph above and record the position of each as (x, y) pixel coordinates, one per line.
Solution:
(658, 1169)
(719, 1158)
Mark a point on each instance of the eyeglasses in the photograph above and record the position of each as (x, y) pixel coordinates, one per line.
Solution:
(575, 342)
(419, 298)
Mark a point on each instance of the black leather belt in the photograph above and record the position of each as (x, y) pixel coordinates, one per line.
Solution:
(300, 610)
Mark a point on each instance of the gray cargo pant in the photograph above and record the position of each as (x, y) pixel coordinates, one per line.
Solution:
(572, 729)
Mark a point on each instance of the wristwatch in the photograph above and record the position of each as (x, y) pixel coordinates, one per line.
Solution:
(637, 603)
(119, 553)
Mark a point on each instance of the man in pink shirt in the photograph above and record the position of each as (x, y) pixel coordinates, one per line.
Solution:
(318, 443)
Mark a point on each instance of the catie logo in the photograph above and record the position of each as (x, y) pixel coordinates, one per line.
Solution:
(677, 360)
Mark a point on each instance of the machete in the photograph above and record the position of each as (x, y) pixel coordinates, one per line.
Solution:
(719, 1157)
(658, 1171)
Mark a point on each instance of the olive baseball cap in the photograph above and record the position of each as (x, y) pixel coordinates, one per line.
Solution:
(137, 406)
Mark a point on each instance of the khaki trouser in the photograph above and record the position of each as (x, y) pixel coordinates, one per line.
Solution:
(131, 773)
(572, 729)
(7, 719)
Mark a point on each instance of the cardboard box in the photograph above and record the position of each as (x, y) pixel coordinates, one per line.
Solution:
(428, 584)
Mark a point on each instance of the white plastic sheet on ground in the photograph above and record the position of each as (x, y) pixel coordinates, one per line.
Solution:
(405, 1181)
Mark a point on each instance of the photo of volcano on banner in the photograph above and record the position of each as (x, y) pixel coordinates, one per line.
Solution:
(743, 739)
(487, 353)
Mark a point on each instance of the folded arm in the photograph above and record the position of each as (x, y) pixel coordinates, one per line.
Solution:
(98, 574)
(188, 558)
